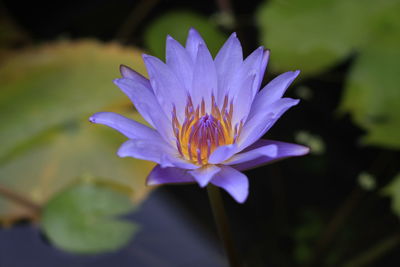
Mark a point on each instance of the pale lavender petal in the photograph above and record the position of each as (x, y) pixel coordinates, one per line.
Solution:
(204, 174)
(168, 90)
(130, 128)
(272, 92)
(262, 121)
(252, 64)
(227, 62)
(205, 80)
(154, 150)
(284, 150)
(168, 175)
(192, 43)
(270, 151)
(234, 182)
(222, 153)
(243, 99)
(179, 61)
(264, 63)
(129, 73)
(148, 106)
(241, 92)
(150, 150)
(175, 160)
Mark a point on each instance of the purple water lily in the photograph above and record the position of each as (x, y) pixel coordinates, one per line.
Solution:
(207, 114)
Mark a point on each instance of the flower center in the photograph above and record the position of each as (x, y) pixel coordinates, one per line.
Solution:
(201, 132)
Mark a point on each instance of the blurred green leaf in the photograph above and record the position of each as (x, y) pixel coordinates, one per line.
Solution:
(314, 142)
(314, 35)
(392, 190)
(84, 219)
(51, 84)
(47, 95)
(177, 24)
(372, 94)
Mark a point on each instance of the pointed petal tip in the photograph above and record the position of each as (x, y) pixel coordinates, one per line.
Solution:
(92, 118)
(117, 81)
(233, 35)
(193, 30)
(241, 200)
(122, 68)
(304, 151)
(151, 182)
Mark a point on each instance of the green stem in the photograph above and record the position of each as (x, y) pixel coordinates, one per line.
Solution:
(221, 221)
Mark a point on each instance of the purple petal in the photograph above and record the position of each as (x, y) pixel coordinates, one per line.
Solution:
(270, 151)
(147, 105)
(227, 62)
(234, 182)
(168, 175)
(180, 62)
(205, 80)
(192, 43)
(252, 64)
(222, 153)
(242, 92)
(130, 128)
(150, 150)
(262, 121)
(284, 150)
(168, 90)
(243, 99)
(129, 73)
(204, 174)
(264, 63)
(273, 91)
(154, 150)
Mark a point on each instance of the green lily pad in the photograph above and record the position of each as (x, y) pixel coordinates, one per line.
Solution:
(48, 85)
(47, 95)
(84, 219)
(314, 35)
(372, 94)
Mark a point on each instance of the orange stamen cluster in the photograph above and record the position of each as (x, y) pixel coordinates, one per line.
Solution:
(201, 133)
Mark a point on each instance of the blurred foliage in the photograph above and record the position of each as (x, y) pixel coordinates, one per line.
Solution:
(315, 35)
(392, 190)
(314, 142)
(372, 93)
(177, 24)
(367, 181)
(47, 94)
(83, 219)
(305, 235)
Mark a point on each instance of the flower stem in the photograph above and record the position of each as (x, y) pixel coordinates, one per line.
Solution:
(221, 221)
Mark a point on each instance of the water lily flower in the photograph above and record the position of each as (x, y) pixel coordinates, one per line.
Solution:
(206, 115)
